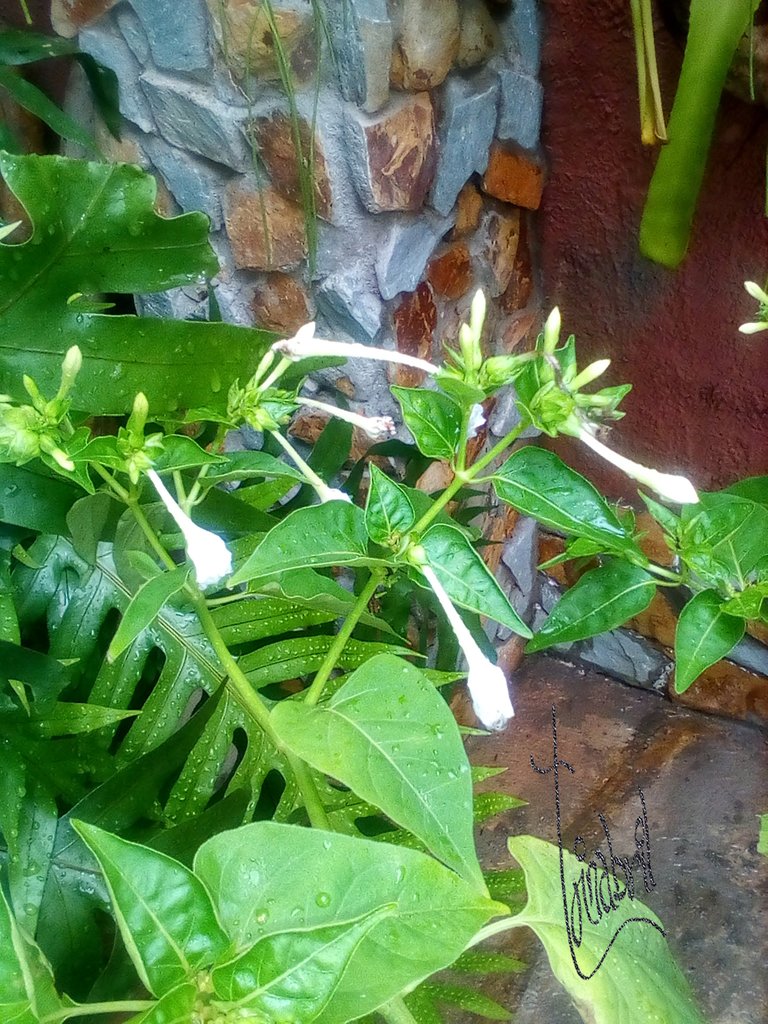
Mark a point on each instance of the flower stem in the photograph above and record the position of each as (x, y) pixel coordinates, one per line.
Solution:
(292, 454)
(467, 476)
(334, 651)
(396, 1012)
(149, 533)
(254, 707)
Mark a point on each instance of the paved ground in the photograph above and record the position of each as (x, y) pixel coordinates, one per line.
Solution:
(704, 778)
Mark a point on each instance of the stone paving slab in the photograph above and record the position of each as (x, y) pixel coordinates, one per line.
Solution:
(705, 779)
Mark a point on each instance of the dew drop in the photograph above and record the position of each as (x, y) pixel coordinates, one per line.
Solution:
(323, 899)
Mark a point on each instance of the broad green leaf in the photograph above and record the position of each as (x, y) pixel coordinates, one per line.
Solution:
(288, 659)
(182, 452)
(754, 488)
(164, 914)
(293, 975)
(27, 990)
(539, 484)
(433, 419)
(88, 520)
(101, 234)
(247, 465)
(466, 577)
(484, 961)
(145, 606)
(261, 876)
(390, 737)
(175, 1007)
(28, 818)
(602, 599)
(667, 519)
(723, 537)
(32, 498)
(257, 617)
(389, 514)
(329, 534)
(69, 719)
(631, 975)
(9, 622)
(704, 635)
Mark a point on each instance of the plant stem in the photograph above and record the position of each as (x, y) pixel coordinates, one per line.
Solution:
(318, 817)
(334, 651)
(113, 485)
(149, 533)
(468, 475)
(396, 1012)
(126, 1006)
(237, 681)
(292, 454)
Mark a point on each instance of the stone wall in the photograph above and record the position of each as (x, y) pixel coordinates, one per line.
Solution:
(423, 120)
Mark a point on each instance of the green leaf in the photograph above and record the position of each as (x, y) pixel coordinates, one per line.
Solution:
(248, 465)
(466, 999)
(36, 102)
(539, 484)
(754, 488)
(389, 514)
(722, 538)
(748, 603)
(703, 636)
(602, 599)
(390, 737)
(293, 975)
(467, 579)
(69, 719)
(259, 878)
(637, 979)
(28, 820)
(145, 606)
(288, 659)
(667, 519)
(434, 420)
(27, 990)
(32, 498)
(182, 452)
(82, 210)
(165, 915)
(329, 534)
(89, 519)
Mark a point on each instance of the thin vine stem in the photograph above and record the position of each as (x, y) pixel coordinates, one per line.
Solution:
(315, 691)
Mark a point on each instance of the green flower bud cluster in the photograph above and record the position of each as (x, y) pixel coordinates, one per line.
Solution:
(550, 387)
(137, 448)
(40, 430)
(258, 404)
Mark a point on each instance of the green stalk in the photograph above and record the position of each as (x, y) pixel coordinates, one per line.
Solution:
(334, 651)
(715, 30)
(396, 1012)
(468, 475)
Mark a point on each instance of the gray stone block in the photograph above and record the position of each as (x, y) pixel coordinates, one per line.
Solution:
(520, 106)
(362, 37)
(626, 656)
(520, 555)
(409, 243)
(178, 33)
(106, 45)
(187, 303)
(189, 117)
(351, 302)
(522, 30)
(506, 416)
(195, 183)
(133, 33)
(465, 134)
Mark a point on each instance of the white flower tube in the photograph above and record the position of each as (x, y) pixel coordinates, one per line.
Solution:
(326, 493)
(377, 427)
(485, 681)
(303, 345)
(674, 488)
(207, 552)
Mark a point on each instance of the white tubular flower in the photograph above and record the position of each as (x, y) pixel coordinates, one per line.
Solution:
(377, 427)
(485, 681)
(326, 493)
(674, 488)
(303, 345)
(476, 420)
(207, 552)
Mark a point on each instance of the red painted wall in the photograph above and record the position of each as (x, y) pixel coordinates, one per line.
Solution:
(700, 398)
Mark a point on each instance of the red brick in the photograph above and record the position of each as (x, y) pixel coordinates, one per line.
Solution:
(415, 319)
(514, 178)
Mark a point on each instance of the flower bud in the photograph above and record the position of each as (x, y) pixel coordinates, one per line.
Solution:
(552, 331)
